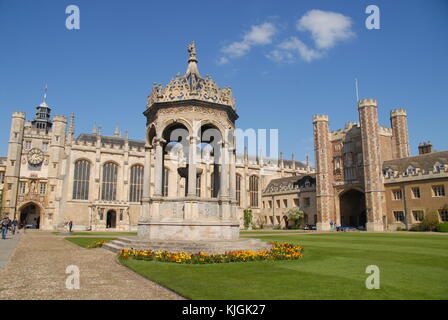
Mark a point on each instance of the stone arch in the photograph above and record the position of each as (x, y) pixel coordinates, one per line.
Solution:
(209, 123)
(151, 133)
(31, 213)
(81, 159)
(352, 208)
(111, 219)
(172, 123)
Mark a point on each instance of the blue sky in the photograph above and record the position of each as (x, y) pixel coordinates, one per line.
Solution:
(283, 63)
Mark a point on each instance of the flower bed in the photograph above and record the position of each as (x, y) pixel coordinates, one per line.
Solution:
(97, 244)
(279, 251)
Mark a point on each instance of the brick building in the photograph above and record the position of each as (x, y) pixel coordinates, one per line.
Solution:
(358, 168)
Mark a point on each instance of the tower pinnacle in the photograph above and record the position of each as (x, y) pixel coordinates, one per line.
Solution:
(192, 74)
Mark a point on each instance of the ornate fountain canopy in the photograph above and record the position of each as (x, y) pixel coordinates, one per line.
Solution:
(191, 86)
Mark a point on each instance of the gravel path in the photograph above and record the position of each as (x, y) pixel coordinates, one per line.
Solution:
(37, 266)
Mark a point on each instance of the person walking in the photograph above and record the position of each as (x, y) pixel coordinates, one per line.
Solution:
(70, 225)
(5, 223)
(14, 225)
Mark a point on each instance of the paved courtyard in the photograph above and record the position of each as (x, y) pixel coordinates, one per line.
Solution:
(36, 270)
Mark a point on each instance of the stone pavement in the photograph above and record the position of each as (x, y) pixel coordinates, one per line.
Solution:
(6, 247)
(37, 270)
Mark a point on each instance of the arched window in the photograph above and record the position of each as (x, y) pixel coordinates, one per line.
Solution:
(136, 184)
(166, 176)
(238, 189)
(81, 180)
(109, 185)
(253, 191)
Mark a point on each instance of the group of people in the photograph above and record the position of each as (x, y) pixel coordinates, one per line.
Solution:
(7, 224)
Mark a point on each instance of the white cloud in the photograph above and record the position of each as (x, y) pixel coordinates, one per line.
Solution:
(289, 49)
(258, 35)
(326, 27)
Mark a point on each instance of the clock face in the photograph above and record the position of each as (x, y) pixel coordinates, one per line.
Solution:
(35, 156)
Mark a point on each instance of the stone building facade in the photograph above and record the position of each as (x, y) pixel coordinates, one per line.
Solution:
(104, 182)
(354, 182)
(283, 194)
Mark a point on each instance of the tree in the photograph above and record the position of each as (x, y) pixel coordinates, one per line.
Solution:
(430, 221)
(296, 215)
(247, 218)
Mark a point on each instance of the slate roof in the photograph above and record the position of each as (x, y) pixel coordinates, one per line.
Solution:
(423, 162)
(288, 183)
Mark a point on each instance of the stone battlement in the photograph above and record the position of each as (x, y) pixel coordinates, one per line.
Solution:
(18, 114)
(398, 112)
(320, 117)
(367, 102)
(59, 118)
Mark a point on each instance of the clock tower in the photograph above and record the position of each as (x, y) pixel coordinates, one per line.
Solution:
(33, 173)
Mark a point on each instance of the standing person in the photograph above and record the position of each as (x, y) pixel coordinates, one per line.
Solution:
(70, 225)
(14, 224)
(4, 226)
(331, 225)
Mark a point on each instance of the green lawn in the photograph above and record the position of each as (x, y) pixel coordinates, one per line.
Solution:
(86, 242)
(86, 233)
(412, 266)
(245, 232)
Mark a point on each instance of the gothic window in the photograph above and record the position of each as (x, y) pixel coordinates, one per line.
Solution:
(27, 145)
(81, 180)
(166, 176)
(253, 191)
(109, 185)
(136, 184)
(2, 177)
(22, 188)
(43, 189)
(238, 189)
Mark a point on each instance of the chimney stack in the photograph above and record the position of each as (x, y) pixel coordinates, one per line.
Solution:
(425, 147)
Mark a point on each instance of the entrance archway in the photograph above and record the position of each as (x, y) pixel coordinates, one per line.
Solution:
(353, 208)
(30, 216)
(111, 219)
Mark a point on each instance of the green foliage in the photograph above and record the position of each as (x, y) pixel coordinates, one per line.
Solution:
(296, 215)
(247, 218)
(442, 227)
(417, 227)
(88, 242)
(430, 221)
